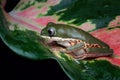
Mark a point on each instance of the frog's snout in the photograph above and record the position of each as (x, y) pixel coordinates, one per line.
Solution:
(41, 33)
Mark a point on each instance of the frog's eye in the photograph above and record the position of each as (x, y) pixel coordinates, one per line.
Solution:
(51, 32)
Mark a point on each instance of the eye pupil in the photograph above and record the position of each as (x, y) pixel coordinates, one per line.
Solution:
(51, 32)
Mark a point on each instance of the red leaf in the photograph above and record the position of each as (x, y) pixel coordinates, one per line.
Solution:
(111, 37)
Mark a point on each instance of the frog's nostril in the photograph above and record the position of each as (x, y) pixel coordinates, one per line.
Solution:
(43, 33)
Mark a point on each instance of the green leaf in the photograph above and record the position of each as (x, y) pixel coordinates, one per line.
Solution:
(24, 42)
(88, 69)
(98, 12)
(28, 43)
(93, 69)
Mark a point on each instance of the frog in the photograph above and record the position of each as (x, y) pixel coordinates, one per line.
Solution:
(75, 41)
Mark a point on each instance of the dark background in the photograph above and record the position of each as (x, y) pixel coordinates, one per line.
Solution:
(15, 67)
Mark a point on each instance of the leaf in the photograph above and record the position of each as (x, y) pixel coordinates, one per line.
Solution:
(90, 70)
(20, 31)
(24, 42)
(98, 12)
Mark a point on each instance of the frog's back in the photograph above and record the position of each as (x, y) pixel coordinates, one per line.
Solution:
(74, 32)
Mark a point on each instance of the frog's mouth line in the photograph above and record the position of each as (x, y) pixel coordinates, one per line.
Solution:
(57, 38)
(58, 43)
(68, 42)
(61, 42)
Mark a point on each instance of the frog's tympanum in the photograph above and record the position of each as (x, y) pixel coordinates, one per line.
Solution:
(74, 41)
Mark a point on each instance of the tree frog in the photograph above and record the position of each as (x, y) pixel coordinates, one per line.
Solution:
(76, 42)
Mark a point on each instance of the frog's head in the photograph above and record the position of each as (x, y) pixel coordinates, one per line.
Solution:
(54, 30)
(49, 30)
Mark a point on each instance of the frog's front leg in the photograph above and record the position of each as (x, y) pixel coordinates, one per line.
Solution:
(72, 45)
(75, 47)
(90, 52)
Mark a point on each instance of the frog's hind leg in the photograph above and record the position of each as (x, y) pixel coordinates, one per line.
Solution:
(91, 53)
(98, 52)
